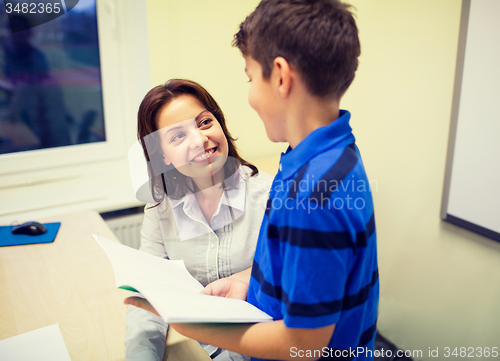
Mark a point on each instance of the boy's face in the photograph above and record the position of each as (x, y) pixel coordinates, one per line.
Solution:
(263, 98)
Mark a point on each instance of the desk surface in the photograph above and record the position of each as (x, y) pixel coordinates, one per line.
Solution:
(71, 282)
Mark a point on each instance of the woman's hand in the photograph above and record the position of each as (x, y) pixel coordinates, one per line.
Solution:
(227, 287)
(235, 286)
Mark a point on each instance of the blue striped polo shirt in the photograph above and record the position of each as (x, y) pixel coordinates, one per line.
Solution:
(316, 259)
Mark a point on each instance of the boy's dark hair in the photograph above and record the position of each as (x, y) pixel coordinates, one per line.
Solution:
(317, 37)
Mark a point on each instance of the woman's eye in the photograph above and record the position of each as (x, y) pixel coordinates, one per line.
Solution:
(177, 137)
(205, 122)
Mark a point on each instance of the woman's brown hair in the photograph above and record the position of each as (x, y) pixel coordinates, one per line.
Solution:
(177, 183)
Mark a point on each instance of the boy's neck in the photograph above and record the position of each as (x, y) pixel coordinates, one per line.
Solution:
(307, 113)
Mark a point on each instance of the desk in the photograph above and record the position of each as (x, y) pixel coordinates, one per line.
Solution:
(71, 282)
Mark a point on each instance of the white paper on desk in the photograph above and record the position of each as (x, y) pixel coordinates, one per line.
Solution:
(171, 289)
(44, 344)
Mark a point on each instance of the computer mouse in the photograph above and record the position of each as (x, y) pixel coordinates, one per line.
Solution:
(30, 228)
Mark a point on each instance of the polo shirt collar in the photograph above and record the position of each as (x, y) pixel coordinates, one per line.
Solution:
(315, 143)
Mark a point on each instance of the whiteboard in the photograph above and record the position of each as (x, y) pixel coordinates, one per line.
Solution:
(471, 196)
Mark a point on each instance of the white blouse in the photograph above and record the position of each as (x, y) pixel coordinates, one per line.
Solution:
(177, 229)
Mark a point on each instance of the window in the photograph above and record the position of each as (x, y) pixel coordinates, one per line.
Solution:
(50, 81)
(100, 89)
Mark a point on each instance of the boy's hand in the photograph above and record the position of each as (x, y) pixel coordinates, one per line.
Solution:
(141, 303)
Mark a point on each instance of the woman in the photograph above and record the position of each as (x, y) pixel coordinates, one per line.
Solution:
(209, 201)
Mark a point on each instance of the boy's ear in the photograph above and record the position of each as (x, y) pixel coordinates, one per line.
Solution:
(283, 76)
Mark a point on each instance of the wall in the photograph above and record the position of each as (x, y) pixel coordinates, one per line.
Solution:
(439, 283)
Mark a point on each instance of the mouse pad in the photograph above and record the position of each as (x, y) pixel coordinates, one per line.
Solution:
(9, 239)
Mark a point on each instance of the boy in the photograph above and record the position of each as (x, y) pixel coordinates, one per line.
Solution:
(315, 268)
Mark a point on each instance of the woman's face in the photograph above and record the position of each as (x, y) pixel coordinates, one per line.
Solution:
(192, 139)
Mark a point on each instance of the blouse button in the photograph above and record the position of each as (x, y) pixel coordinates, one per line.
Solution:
(213, 245)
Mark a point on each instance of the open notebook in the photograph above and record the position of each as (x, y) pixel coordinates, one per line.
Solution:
(171, 289)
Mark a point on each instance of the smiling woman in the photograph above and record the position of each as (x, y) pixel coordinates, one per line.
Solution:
(178, 122)
(209, 201)
(196, 147)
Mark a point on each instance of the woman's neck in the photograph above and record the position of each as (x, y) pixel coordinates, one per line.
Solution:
(208, 193)
(206, 183)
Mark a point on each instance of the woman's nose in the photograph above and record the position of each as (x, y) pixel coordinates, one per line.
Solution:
(199, 139)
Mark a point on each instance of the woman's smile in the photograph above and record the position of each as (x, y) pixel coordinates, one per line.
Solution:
(205, 155)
